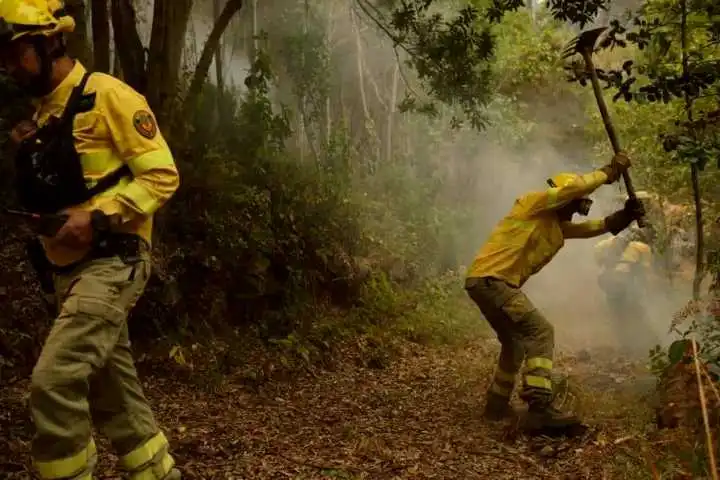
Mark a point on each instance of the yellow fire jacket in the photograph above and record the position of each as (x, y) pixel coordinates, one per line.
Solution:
(119, 129)
(635, 257)
(528, 237)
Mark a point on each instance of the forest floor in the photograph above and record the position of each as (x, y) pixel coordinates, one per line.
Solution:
(418, 416)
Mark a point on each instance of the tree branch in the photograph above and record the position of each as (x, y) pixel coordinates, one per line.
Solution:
(100, 35)
(211, 45)
(128, 46)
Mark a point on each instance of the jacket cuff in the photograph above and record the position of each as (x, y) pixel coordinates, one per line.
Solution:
(115, 207)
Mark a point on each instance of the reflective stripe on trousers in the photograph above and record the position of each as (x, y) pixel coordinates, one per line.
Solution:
(150, 461)
(503, 383)
(85, 373)
(523, 332)
(537, 373)
(76, 467)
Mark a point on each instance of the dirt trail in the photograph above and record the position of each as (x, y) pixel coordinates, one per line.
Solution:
(418, 418)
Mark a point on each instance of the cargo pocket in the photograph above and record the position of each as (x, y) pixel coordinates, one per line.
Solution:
(518, 307)
(498, 292)
(88, 328)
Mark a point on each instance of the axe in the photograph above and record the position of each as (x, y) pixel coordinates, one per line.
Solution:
(584, 44)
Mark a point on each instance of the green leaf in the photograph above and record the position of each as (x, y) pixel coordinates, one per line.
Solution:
(676, 351)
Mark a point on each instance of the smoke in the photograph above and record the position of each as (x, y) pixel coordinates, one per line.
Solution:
(235, 44)
(485, 171)
(567, 291)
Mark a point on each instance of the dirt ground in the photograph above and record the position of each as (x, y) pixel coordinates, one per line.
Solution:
(416, 418)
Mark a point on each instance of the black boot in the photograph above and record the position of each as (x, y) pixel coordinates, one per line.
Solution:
(544, 419)
(497, 408)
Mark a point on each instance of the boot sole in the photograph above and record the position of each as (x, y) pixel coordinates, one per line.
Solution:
(497, 419)
(571, 430)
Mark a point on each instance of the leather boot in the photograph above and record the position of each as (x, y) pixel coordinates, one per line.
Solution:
(544, 419)
(497, 408)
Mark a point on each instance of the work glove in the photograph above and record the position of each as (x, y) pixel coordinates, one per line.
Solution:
(617, 166)
(620, 220)
(22, 130)
(635, 208)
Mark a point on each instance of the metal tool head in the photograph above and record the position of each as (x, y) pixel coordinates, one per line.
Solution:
(585, 42)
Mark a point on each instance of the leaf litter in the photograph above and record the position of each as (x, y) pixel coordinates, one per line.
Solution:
(417, 418)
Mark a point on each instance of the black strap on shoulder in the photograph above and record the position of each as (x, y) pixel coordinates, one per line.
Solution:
(109, 180)
(75, 98)
(71, 109)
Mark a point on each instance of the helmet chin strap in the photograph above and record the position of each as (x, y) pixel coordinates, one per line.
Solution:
(41, 84)
(584, 205)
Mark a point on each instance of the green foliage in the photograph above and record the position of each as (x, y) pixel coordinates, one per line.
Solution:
(452, 51)
(680, 63)
(300, 250)
(252, 232)
(451, 57)
(580, 12)
(303, 52)
(669, 88)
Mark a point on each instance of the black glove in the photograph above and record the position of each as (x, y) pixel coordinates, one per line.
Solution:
(635, 208)
(617, 166)
(620, 220)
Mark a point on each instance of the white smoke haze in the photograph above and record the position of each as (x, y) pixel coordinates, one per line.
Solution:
(567, 290)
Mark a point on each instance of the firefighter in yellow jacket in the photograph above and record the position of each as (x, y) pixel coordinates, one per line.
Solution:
(93, 152)
(626, 264)
(522, 243)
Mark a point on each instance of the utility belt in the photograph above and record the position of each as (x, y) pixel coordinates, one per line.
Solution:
(129, 247)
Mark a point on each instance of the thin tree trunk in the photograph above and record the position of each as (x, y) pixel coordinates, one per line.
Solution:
(117, 68)
(129, 49)
(360, 69)
(77, 43)
(700, 237)
(369, 124)
(328, 121)
(209, 50)
(391, 114)
(167, 42)
(694, 173)
(219, 63)
(100, 35)
(328, 101)
(255, 32)
(302, 118)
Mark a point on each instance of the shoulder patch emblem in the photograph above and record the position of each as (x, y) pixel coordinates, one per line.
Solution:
(144, 123)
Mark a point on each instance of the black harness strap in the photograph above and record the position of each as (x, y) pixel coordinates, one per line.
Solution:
(74, 106)
(110, 180)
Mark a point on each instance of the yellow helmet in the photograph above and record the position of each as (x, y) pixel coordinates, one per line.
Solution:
(19, 18)
(561, 179)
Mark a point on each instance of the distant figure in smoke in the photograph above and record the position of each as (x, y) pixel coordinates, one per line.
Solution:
(521, 244)
(627, 263)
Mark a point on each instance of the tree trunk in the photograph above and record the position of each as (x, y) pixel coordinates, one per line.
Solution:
(128, 48)
(117, 68)
(694, 173)
(219, 64)
(391, 113)
(77, 42)
(302, 117)
(209, 50)
(700, 238)
(100, 35)
(328, 100)
(255, 31)
(368, 120)
(167, 39)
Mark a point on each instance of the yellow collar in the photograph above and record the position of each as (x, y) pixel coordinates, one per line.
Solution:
(61, 94)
